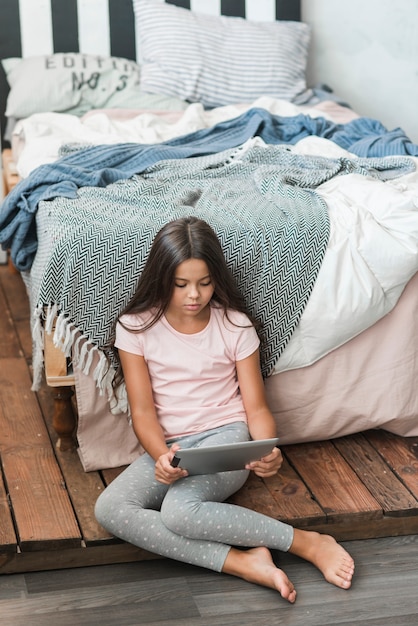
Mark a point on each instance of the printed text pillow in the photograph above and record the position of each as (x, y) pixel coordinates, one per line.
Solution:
(67, 82)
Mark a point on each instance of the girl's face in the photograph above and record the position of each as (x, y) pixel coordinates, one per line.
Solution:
(193, 289)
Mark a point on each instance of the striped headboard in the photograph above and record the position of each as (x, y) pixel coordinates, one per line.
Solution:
(102, 27)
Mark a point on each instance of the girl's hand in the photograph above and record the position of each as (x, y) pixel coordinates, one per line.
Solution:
(164, 472)
(267, 466)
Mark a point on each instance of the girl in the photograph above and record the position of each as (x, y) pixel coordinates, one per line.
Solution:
(188, 352)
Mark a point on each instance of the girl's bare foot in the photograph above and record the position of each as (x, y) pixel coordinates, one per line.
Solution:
(256, 566)
(326, 554)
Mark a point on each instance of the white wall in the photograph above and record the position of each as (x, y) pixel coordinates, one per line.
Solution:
(367, 52)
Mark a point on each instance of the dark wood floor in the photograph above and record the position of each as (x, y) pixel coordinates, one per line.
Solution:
(383, 593)
(358, 487)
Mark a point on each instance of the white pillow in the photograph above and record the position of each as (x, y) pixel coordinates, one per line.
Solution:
(67, 82)
(219, 60)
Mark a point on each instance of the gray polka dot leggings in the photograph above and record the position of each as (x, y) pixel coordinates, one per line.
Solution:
(188, 520)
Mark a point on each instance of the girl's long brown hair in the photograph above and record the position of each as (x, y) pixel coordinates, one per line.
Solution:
(179, 240)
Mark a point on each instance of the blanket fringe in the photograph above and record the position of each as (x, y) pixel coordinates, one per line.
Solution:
(75, 345)
(38, 330)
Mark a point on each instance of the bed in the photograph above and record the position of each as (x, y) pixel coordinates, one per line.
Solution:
(316, 208)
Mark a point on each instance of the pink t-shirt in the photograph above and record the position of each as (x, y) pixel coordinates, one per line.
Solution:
(193, 376)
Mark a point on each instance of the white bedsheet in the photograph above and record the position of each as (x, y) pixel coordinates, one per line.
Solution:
(371, 255)
(40, 137)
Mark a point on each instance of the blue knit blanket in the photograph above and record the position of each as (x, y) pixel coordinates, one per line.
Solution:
(102, 165)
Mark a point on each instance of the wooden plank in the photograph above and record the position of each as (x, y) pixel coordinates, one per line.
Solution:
(351, 528)
(295, 502)
(14, 303)
(284, 496)
(11, 177)
(72, 557)
(401, 454)
(10, 342)
(8, 540)
(83, 487)
(255, 495)
(15, 294)
(42, 514)
(376, 474)
(25, 339)
(335, 486)
(56, 365)
(55, 359)
(41, 505)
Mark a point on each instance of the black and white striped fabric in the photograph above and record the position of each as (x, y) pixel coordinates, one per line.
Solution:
(219, 60)
(101, 27)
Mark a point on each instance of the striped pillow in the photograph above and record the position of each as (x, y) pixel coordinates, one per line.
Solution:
(219, 60)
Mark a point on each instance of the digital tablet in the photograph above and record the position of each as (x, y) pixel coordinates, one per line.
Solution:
(222, 458)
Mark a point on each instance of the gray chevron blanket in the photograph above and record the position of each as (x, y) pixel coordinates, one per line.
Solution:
(259, 199)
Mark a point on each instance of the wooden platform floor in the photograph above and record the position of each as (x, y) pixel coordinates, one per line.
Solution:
(356, 487)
